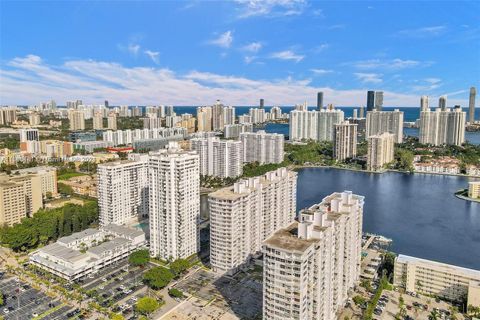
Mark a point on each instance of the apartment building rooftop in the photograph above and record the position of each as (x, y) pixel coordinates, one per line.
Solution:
(287, 239)
(447, 267)
(122, 230)
(108, 246)
(78, 236)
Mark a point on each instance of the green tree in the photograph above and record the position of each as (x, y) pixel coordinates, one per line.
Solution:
(139, 258)
(116, 316)
(179, 266)
(175, 293)
(157, 278)
(146, 305)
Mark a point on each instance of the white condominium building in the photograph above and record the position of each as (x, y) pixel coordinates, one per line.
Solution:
(83, 253)
(262, 147)
(380, 151)
(345, 141)
(379, 122)
(442, 127)
(228, 116)
(234, 130)
(309, 266)
(123, 190)
(174, 203)
(219, 158)
(244, 215)
(314, 125)
(77, 119)
(129, 136)
(257, 115)
(437, 279)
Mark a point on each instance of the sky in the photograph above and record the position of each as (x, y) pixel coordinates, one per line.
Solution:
(195, 52)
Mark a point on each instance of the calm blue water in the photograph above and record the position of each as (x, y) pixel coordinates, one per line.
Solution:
(419, 212)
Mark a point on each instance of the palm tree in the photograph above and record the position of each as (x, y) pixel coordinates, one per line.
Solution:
(433, 315)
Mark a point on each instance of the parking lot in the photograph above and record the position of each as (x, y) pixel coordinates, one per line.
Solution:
(24, 302)
(117, 287)
(222, 297)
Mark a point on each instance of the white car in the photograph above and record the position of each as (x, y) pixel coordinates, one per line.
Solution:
(5, 310)
(104, 279)
(34, 314)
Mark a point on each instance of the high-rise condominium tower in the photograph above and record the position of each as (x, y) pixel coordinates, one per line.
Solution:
(174, 203)
(77, 119)
(471, 105)
(262, 147)
(379, 100)
(442, 103)
(442, 127)
(204, 119)
(309, 266)
(219, 158)
(345, 141)
(424, 103)
(123, 190)
(380, 151)
(379, 122)
(319, 101)
(98, 121)
(262, 103)
(314, 125)
(244, 215)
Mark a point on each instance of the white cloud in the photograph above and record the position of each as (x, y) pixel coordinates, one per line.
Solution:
(423, 32)
(369, 77)
(253, 47)
(95, 81)
(249, 59)
(224, 40)
(321, 71)
(154, 55)
(270, 8)
(393, 64)
(320, 48)
(133, 48)
(287, 55)
(428, 84)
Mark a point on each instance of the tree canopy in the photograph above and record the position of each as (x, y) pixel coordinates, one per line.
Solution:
(146, 305)
(139, 258)
(157, 278)
(49, 225)
(179, 266)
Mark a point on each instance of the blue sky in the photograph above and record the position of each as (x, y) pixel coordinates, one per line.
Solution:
(193, 52)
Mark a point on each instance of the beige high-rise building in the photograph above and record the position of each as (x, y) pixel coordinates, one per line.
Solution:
(188, 124)
(174, 203)
(112, 121)
(77, 119)
(20, 197)
(309, 266)
(218, 120)
(98, 121)
(379, 122)
(56, 148)
(380, 151)
(204, 119)
(437, 279)
(34, 119)
(345, 141)
(442, 127)
(244, 215)
(47, 175)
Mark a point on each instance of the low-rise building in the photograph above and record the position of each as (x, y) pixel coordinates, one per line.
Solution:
(83, 185)
(437, 279)
(473, 171)
(84, 253)
(442, 165)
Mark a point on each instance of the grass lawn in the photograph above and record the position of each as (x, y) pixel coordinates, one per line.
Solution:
(69, 175)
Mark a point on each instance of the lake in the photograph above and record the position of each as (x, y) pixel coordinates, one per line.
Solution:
(418, 211)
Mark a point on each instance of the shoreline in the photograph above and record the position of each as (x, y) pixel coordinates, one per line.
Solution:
(459, 195)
